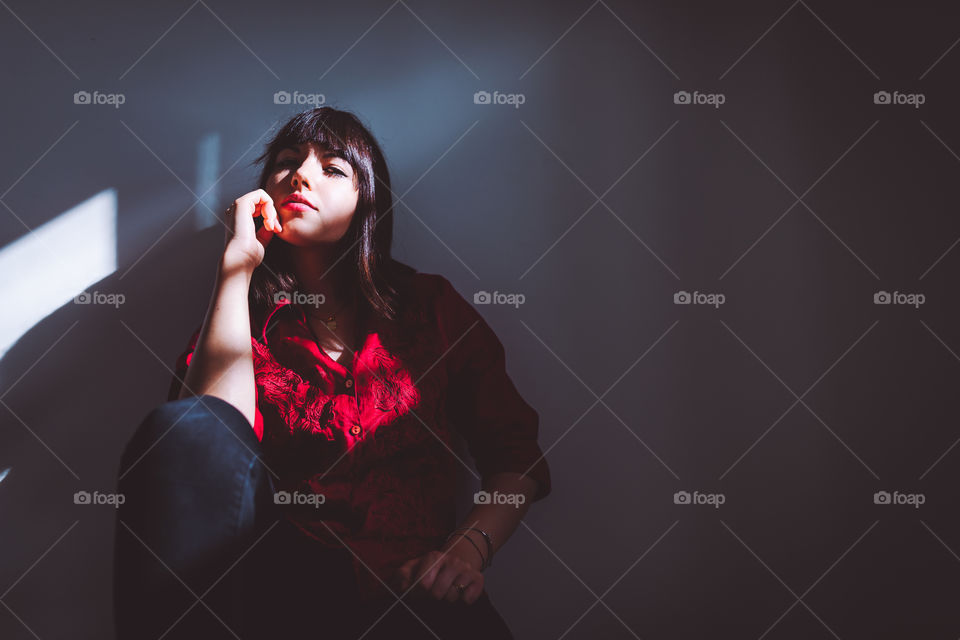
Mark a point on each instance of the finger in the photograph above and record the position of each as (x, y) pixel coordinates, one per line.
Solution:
(264, 235)
(241, 224)
(473, 583)
(267, 220)
(453, 593)
(444, 581)
(258, 211)
(404, 574)
(266, 209)
(274, 216)
(473, 591)
(432, 564)
(228, 223)
(414, 576)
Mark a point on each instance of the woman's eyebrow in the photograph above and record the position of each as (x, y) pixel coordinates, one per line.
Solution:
(339, 155)
(329, 153)
(334, 154)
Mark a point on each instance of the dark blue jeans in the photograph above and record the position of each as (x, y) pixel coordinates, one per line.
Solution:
(202, 551)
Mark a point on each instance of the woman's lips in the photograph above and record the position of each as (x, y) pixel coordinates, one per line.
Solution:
(296, 206)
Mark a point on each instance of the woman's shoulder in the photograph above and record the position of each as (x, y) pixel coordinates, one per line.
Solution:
(435, 298)
(422, 286)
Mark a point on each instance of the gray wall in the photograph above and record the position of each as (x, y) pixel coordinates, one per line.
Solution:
(797, 199)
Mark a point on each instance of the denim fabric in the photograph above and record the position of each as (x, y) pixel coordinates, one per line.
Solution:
(199, 522)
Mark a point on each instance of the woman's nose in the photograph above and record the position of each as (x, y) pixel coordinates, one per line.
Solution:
(299, 180)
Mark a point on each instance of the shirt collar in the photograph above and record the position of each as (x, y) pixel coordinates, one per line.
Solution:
(372, 320)
(283, 301)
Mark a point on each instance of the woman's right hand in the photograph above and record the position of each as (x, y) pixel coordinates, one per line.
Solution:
(244, 245)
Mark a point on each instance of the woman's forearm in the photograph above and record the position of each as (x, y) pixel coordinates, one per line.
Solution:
(222, 362)
(499, 520)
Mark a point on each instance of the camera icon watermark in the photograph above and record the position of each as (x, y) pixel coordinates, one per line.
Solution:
(97, 498)
(897, 98)
(914, 500)
(299, 297)
(699, 297)
(898, 297)
(297, 98)
(697, 498)
(697, 98)
(485, 297)
(512, 499)
(98, 297)
(513, 99)
(95, 97)
(299, 498)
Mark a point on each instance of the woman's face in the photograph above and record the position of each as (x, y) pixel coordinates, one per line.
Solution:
(328, 184)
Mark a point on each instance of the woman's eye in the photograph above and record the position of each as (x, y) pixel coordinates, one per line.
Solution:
(288, 161)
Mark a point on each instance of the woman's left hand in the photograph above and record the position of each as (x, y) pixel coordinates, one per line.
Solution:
(438, 573)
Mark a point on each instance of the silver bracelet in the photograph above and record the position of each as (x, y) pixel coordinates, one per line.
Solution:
(486, 537)
(483, 561)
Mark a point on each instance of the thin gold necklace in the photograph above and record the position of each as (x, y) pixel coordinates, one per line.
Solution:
(331, 320)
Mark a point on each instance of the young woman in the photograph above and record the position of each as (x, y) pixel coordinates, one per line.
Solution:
(301, 476)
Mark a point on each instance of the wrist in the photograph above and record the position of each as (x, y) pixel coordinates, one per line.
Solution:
(461, 545)
(231, 269)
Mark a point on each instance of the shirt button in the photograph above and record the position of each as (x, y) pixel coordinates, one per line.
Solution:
(355, 429)
(349, 383)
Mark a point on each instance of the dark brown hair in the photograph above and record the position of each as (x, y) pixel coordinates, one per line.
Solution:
(366, 263)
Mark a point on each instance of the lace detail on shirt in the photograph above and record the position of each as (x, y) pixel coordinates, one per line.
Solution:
(299, 403)
(393, 390)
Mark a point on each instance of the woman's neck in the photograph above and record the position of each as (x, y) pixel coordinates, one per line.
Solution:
(320, 271)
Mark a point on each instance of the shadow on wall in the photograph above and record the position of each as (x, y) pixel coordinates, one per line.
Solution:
(76, 385)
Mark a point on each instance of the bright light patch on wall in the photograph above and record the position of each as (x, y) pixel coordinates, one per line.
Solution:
(208, 168)
(63, 257)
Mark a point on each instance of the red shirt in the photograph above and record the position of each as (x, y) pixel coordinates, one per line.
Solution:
(356, 430)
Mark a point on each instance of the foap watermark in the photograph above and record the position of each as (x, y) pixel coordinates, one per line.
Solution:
(497, 297)
(710, 99)
(485, 97)
(95, 97)
(910, 499)
(899, 297)
(98, 297)
(298, 97)
(299, 297)
(909, 99)
(512, 499)
(699, 297)
(710, 499)
(485, 497)
(112, 499)
(309, 498)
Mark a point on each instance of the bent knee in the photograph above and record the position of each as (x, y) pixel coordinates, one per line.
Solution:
(189, 426)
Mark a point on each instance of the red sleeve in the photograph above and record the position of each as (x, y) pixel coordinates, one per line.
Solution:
(483, 404)
(180, 371)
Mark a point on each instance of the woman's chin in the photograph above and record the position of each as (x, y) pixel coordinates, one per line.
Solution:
(296, 235)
